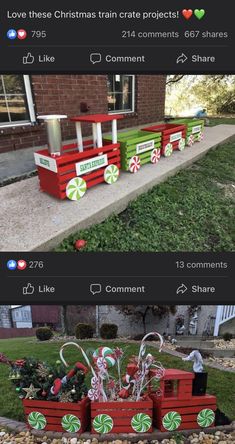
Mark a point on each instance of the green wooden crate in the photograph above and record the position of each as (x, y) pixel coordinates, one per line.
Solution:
(137, 143)
(195, 129)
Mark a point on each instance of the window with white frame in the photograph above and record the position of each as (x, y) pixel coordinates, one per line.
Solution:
(121, 93)
(16, 101)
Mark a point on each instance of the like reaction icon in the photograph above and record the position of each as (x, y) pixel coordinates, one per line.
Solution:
(29, 289)
(11, 34)
(28, 59)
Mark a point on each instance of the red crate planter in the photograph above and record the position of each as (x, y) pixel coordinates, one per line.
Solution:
(57, 416)
(173, 137)
(121, 417)
(176, 408)
(90, 162)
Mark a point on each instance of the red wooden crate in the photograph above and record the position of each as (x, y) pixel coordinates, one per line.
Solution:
(56, 172)
(188, 409)
(54, 412)
(119, 417)
(172, 134)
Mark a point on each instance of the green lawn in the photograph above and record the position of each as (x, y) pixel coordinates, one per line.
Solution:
(221, 121)
(220, 383)
(192, 211)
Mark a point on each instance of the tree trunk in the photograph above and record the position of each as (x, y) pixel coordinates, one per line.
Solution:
(64, 319)
(144, 315)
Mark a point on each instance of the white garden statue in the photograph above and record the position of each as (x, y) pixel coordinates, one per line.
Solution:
(196, 357)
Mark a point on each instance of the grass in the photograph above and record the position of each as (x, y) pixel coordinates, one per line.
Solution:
(213, 121)
(192, 211)
(220, 383)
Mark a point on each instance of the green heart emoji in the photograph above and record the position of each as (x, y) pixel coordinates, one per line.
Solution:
(199, 13)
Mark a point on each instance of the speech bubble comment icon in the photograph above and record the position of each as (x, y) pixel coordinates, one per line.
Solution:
(95, 57)
(95, 288)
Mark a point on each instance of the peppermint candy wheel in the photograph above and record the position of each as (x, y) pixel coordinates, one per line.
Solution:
(103, 423)
(111, 174)
(205, 418)
(134, 164)
(171, 421)
(107, 354)
(167, 150)
(181, 144)
(71, 423)
(191, 140)
(94, 382)
(93, 394)
(141, 423)
(37, 420)
(155, 155)
(76, 188)
(200, 136)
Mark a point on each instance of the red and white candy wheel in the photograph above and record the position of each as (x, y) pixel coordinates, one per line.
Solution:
(200, 136)
(191, 140)
(134, 164)
(155, 155)
(167, 150)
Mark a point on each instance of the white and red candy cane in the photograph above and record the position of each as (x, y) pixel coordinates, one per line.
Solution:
(58, 383)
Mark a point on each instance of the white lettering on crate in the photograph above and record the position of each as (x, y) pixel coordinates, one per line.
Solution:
(196, 129)
(145, 146)
(176, 136)
(86, 166)
(45, 162)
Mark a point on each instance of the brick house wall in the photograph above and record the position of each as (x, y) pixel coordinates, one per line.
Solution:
(62, 94)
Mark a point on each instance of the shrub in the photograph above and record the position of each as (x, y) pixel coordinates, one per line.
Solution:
(108, 331)
(227, 337)
(44, 333)
(84, 331)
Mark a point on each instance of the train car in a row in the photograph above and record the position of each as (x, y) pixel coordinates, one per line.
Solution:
(67, 171)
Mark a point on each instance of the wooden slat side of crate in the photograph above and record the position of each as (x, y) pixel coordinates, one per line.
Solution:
(194, 126)
(170, 134)
(119, 416)
(187, 409)
(137, 143)
(47, 415)
(63, 168)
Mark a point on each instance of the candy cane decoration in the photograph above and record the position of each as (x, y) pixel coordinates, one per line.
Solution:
(144, 365)
(143, 345)
(83, 354)
(94, 393)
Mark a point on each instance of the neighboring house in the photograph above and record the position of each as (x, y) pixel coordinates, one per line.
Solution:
(211, 319)
(141, 98)
(31, 316)
(5, 316)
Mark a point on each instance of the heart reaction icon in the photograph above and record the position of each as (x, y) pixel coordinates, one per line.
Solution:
(187, 13)
(21, 264)
(21, 34)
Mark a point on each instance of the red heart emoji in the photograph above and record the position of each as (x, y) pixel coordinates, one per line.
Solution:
(187, 13)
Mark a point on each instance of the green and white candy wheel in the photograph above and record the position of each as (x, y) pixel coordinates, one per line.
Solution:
(205, 418)
(76, 188)
(103, 423)
(37, 420)
(71, 423)
(168, 150)
(111, 174)
(141, 423)
(171, 421)
(181, 144)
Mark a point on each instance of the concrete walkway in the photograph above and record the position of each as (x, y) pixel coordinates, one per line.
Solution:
(34, 221)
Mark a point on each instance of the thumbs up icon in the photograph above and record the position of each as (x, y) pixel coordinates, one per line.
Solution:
(28, 59)
(29, 289)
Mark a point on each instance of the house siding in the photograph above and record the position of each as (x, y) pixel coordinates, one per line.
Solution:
(62, 94)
